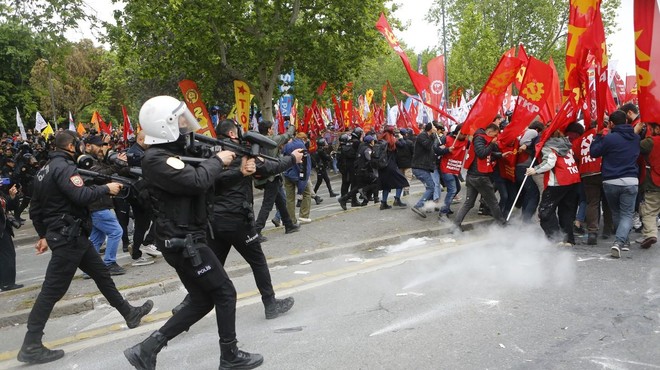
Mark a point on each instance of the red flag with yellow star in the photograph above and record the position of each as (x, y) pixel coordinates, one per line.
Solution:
(580, 18)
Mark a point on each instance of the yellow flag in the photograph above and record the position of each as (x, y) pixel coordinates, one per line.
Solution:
(80, 129)
(95, 121)
(47, 131)
(242, 94)
(232, 113)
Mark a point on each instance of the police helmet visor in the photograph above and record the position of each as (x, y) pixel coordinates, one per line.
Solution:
(187, 121)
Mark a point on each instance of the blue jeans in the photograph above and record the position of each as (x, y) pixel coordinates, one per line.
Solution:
(437, 189)
(105, 224)
(621, 200)
(450, 182)
(582, 205)
(427, 179)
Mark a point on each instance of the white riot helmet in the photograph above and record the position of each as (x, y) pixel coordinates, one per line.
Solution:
(164, 118)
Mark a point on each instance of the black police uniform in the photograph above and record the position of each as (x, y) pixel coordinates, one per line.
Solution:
(59, 214)
(7, 249)
(181, 198)
(233, 223)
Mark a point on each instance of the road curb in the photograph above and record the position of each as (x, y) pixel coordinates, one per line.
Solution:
(171, 284)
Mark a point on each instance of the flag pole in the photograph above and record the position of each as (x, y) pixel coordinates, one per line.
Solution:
(519, 191)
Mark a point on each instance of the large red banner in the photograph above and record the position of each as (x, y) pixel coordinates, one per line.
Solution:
(489, 101)
(436, 70)
(647, 58)
(620, 88)
(534, 91)
(581, 16)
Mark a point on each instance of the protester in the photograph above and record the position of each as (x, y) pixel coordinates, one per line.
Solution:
(650, 208)
(423, 164)
(390, 176)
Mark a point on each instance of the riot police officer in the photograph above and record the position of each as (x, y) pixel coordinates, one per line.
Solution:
(180, 194)
(59, 213)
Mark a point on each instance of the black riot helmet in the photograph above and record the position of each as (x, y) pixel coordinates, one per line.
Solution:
(320, 142)
(344, 138)
(357, 133)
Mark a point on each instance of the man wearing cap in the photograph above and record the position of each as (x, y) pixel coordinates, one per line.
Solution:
(104, 219)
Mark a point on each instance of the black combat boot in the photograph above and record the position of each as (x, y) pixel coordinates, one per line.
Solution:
(399, 203)
(318, 200)
(143, 355)
(33, 351)
(186, 301)
(278, 307)
(384, 205)
(133, 315)
(342, 202)
(233, 358)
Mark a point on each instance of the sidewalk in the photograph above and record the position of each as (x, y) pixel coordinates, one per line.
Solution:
(333, 233)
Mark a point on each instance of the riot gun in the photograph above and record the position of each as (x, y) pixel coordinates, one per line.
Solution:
(202, 146)
(128, 183)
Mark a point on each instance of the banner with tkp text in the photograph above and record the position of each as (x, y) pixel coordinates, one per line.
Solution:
(242, 96)
(196, 105)
(534, 92)
(647, 58)
(420, 81)
(436, 70)
(488, 103)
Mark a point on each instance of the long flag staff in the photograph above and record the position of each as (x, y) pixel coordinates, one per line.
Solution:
(520, 190)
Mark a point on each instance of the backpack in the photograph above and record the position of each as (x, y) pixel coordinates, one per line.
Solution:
(379, 154)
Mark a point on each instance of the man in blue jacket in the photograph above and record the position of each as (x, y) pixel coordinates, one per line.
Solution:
(296, 180)
(619, 149)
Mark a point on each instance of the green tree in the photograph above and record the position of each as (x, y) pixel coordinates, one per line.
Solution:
(255, 41)
(479, 32)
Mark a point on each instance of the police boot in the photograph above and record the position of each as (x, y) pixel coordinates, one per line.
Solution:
(186, 301)
(233, 358)
(592, 239)
(143, 355)
(33, 351)
(399, 203)
(133, 315)
(277, 307)
(342, 202)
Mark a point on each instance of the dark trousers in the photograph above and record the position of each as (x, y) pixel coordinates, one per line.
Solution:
(557, 210)
(141, 223)
(530, 196)
(208, 286)
(245, 239)
(593, 186)
(321, 176)
(62, 266)
(479, 185)
(123, 210)
(273, 196)
(7, 260)
(364, 184)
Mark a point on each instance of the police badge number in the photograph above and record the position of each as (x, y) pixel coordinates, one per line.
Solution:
(76, 180)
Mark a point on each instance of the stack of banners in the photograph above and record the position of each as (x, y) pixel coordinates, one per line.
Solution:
(420, 81)
(647, 58)
(581, 17)
(427, 107)
(196, 105)
(487, 105)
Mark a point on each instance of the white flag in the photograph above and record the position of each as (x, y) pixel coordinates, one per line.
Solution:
(19, 122)
(72, 125)
(41, 123)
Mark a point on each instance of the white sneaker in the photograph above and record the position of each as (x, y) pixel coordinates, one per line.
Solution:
(150, 250)
(636, 221)
(143, 261)
(304, 220)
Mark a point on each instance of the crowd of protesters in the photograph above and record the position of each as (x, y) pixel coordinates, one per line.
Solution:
(592, 181)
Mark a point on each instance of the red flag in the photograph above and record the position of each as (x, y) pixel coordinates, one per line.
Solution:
(280, 122)
(436, 70)
(524, 58)
(594, 40)
(128, 128)
(338, 116)
(631, 89)
(535, 89)
(103, 127)
(647, 54)
(581, 16)
(492, 94)
(554, 100)
(420, 81)
(620, 88)
(412, 119)
(196, 105)
(566, 115)
(321, 88)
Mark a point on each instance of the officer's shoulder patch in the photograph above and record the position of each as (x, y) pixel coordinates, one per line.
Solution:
(175, 163)
(77, 180)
